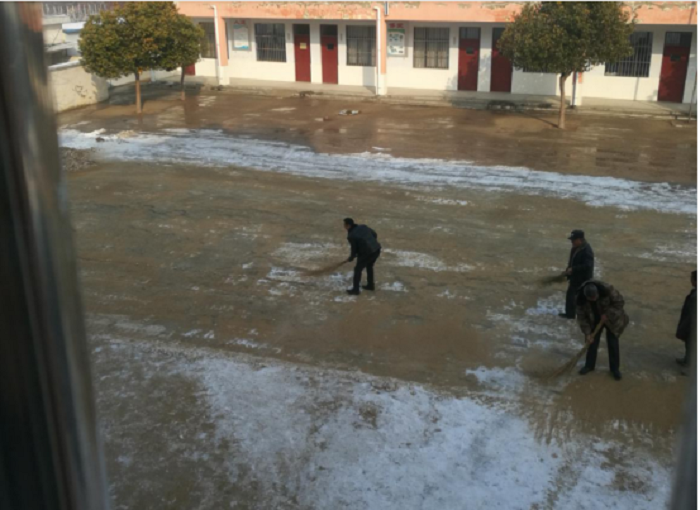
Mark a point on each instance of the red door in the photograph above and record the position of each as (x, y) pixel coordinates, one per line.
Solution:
(501, 68)
(468, 59)
(302, 57)
(329, 53)
(674, 67)
(189, 70)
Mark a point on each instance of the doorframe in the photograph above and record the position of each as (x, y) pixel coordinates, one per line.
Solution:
(321, 36)
(309, 49)
(478, 52)
(693, 37)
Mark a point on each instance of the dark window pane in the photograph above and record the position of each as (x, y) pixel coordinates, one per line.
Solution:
(469, 33)
(270, 42)
(362, 45)
(302, 30)
(638, 63)
(679, 39)
(208, 42)
(431, 47)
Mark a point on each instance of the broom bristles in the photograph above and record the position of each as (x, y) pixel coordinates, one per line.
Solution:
(551, 280)
(574, 361)
(569, 364)
(324, 270)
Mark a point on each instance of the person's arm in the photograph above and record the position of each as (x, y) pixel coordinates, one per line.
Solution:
(353, 249)
(582, 319)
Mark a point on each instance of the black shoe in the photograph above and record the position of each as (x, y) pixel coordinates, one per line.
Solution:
(617, 375)
(368, 287)
(585, 370)
(353, 292)
(564, 316)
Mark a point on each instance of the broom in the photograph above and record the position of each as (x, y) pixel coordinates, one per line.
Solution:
(551, 280)
(324, 270)
(574, 361)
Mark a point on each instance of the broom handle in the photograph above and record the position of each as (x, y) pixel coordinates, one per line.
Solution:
(597, 329)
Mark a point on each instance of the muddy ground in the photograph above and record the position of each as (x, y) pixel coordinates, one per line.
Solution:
(201, 312)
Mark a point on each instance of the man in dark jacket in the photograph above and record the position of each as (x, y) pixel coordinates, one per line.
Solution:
(579, 270)
(687, 323)
(598, 302)
(366, 249)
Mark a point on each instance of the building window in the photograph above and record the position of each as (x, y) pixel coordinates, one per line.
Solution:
(497, 33)
(270, 42)
(682, 39)
(208, 42)
(431, 48)
(469, 33)
(362, 46)
(638, 63)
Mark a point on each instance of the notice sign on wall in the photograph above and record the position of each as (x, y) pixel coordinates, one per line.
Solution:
(396, 40)
(241, 38)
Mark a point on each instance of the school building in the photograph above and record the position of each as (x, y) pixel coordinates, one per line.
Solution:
(447, 46)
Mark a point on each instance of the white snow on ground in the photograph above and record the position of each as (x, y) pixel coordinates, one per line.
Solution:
(213, 148)
(337, 440)
(404, 258)
(441, 201)
(308, 254)
(509, 378)
(675, 253)
(393, 287)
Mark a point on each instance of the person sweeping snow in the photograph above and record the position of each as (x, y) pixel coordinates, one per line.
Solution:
(598, 302)
(366, 249)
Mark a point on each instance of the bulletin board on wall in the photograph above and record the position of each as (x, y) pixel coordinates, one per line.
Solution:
(241, 35)
(396, 40)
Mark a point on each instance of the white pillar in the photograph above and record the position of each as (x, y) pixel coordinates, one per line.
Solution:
(316, 56)
(219, 71)
(692, 70)
(484, 83)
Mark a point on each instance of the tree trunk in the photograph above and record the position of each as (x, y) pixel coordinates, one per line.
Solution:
(562, 98)
(182, 83)
(137, 83)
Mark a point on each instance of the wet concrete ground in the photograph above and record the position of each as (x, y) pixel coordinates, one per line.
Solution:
(185, 267)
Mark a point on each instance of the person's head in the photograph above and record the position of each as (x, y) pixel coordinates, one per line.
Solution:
(577, 238)
(591, 292)
(694, 278)
(348, 223)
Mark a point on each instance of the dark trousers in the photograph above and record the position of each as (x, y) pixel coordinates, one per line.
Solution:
(571, 301)
(688, 352)
(366, 262)
(613, 350)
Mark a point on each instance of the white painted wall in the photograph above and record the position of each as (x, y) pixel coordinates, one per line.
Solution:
(641, 89)
(244, 64)
(361, 76)
(145, 77)
(402, 74)
(53, 34)
(484, 83)
(539, 84)
(688, 95)
(316, 58)
(71, 86)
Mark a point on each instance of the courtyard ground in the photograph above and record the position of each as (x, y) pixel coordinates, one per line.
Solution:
(229, 377)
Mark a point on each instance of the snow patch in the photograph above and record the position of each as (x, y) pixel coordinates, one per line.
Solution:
(393, 287)
(213, 148)
(404, 258)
